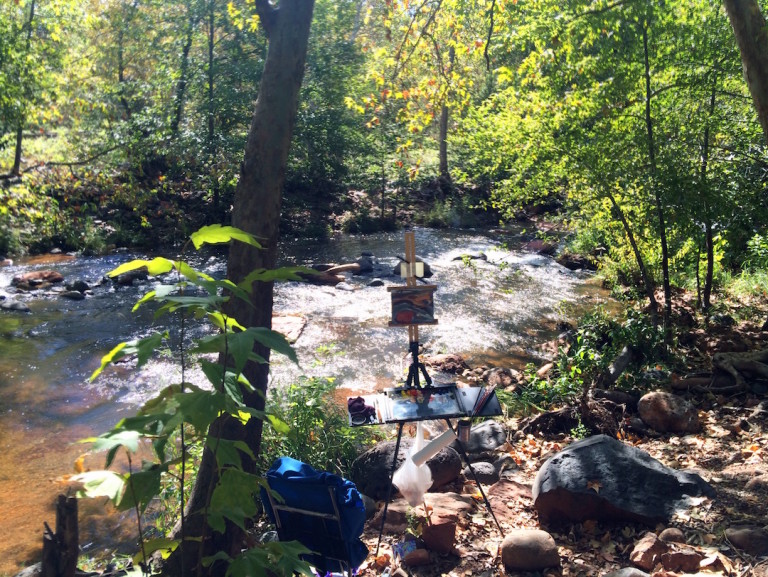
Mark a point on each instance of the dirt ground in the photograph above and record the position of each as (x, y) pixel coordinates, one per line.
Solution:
(730, 452)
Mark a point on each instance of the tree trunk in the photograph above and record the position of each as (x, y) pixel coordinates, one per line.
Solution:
(16, 168)
(656, 193)
(751, 34)
(181, 86)
(708, 235)
(650, 286)
(217, 217)
(257, 204)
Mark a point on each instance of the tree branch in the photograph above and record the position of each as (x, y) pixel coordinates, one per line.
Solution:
(490, 35)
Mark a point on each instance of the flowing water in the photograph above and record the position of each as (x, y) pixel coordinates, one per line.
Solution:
(493, 312)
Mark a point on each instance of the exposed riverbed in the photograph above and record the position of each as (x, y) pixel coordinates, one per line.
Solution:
(494, 312)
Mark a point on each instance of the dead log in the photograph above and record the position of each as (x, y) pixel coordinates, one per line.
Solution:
(752, 363)
(61, 549)
(617, 367)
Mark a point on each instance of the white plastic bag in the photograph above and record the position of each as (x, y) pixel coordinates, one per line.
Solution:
(412, 480)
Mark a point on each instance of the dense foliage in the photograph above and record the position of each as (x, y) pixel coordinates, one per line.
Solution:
(632, 117)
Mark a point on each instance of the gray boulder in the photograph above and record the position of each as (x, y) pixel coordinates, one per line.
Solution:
(13, 305)
(485, 438)
(602, 478)
(485, 472)
(371, 470)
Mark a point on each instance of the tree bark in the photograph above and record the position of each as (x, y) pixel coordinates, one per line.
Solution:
(708, 234)
(16, 168)
(751, 34)
(650, 286)
(257, 205)
(181, 86)
(656, 193)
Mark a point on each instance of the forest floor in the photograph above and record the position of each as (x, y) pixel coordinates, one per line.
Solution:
(730, 452)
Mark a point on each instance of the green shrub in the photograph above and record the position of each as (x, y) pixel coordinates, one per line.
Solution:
(319, 431)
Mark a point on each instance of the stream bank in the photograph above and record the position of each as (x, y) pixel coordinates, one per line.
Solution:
(494, 311)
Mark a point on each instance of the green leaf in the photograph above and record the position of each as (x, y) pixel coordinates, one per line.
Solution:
(140, 488)
(275, 341)
(199, 408)
(228, 452)
(232, 382)
(155, 267)
(234, 498)
(278, 425)
(281, 558)
(164, 545)
(143, 348)
(100, 484)
(278, 274)
(158, 294)
(113, 441)
(218, 234)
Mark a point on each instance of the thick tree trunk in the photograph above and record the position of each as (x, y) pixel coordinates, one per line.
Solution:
(256, 210)
(751, 34)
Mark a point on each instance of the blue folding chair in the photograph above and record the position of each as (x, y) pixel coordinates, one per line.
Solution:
(322, 511)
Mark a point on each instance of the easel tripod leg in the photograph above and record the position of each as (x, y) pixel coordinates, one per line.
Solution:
(389, 487)
(465, 457)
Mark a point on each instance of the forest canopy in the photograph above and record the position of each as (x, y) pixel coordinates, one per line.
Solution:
(632, 117)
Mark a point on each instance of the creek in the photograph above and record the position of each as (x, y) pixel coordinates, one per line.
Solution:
(493, 312)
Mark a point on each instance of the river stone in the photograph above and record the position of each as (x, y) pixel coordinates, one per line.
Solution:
(529, 550)
(648, 551)
(366, 265)
(446, 363)
(485, 472)
(12, 305)
(471, 256)
(78, 285)
(345, 286)
(627, 572)
(501, 377)
(72, 295)
(485, 437)
(35, 570)
(668, 413)
(39, 279)
(376, 282)
(602, 478)
(371, 470)
(753, 540)
(672, 535)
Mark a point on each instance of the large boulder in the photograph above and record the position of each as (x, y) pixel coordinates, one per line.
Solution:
(371, 470)
(603, 478)
(668, 413)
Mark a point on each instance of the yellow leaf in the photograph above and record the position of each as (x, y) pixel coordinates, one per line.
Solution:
(594, 485)
(80, 464)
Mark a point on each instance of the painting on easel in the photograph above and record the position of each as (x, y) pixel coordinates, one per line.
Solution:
(413, 305)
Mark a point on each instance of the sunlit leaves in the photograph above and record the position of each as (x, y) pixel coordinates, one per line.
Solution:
(218, 234)
(143, 349)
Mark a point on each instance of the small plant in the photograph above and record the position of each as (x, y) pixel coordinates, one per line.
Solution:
(319, 433)
(178, 411)
(580, 431)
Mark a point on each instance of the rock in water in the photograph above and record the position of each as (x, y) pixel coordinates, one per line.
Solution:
(602, 478)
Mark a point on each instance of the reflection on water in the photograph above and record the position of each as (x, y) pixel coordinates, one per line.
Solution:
(493, 311)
